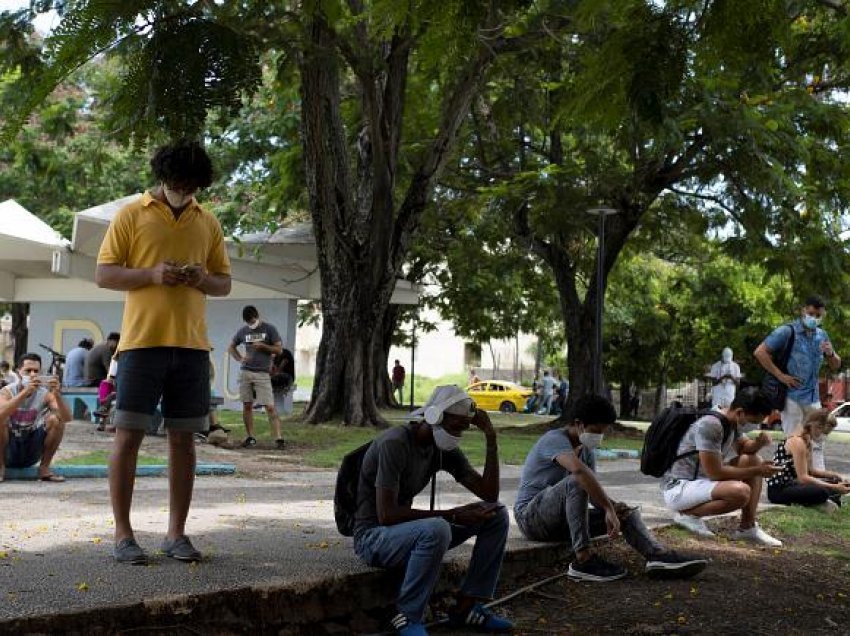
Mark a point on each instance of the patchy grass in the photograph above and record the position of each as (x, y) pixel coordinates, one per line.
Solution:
(101, 458)
(324, 445)
(798, 589)
(799, 521)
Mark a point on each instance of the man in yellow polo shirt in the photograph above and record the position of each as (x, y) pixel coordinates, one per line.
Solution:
(168, 254)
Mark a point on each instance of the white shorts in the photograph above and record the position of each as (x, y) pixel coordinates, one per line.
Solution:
(685, 494)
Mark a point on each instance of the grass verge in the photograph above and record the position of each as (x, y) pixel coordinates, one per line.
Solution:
(101, 457)
(323, 446)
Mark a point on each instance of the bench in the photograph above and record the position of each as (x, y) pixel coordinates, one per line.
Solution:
(82, 400)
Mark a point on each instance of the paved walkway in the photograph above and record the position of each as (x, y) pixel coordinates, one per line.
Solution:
(55, 539)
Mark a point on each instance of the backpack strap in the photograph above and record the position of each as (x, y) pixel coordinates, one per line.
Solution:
(785, 356)
(727, 431)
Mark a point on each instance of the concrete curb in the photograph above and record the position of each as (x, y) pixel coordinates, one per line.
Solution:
(348, 604)
(102, 471)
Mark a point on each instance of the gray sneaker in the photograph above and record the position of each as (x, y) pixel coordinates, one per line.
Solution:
(128, 551)
(181, 549)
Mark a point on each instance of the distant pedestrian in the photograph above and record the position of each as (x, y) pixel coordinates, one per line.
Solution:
(398, 381)
(168, 254)
(99, 357)
(261, 342)
(473, 377)
(809, 346)
(74, 373)
(725, 376)
(548, 386)
(563, 394)
(7, 376)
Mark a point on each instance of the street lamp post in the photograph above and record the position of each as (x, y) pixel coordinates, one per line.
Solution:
(413, 358)
(601, 213)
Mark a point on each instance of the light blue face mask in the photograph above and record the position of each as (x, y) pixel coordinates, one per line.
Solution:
(811, 322)
(444, 440)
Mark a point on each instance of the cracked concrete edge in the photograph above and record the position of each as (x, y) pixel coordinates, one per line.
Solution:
(269, 607)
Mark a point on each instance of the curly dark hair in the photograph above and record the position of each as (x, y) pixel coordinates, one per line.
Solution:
(183, 164)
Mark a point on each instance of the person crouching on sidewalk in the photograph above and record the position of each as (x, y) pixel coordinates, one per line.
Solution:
(700, 484)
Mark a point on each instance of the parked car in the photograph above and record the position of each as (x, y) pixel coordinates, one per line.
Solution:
(498, 395)
(842, 414)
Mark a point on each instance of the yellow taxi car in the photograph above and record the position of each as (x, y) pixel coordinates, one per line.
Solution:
(499, 395)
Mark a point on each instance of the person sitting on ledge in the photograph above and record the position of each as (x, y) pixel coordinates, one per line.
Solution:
(559, 477)
(390, 532)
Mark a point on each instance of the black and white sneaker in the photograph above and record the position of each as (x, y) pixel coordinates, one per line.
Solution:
(674, 565)
(595, 569)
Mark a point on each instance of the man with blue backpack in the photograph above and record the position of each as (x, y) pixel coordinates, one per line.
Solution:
(714, 468)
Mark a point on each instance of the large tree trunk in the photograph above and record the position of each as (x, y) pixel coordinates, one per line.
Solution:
(361, 238)
(20, 332)
(356, 284)
(579, 314)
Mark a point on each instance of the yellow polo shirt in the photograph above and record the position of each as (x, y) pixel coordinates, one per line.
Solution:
(145, 233)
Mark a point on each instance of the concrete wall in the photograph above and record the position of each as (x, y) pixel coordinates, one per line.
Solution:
(61, 325)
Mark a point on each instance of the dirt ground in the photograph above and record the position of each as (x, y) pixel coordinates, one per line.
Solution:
(801, 588)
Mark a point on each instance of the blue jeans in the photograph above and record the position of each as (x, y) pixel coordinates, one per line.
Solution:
(420, 545)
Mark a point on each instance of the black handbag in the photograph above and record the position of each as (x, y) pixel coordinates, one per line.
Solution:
(775, 390)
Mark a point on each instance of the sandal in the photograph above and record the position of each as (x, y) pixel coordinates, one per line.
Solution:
(52, 478)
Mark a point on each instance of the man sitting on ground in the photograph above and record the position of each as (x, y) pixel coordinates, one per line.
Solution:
(389, 532)
(699, 484)
(558, 478)
(32, 420)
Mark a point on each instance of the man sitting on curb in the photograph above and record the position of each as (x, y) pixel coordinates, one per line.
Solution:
(559, 477)
(32, 420)
(389, 532)
(699, 484)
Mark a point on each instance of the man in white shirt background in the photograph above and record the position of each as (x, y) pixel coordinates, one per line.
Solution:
(725, 375)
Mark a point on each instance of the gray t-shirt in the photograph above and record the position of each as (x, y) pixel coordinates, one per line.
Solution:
(97, 363)
(395, 461)
(31, 413)
(706, 434)
(540, 469)
(256, 360)
(548, 385)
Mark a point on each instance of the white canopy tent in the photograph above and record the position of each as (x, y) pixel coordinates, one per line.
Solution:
(37, 264)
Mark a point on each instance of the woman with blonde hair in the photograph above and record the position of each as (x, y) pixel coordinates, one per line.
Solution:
(799, 482)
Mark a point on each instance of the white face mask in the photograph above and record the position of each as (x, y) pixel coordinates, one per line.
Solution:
(444, 440)
(591, 441)
(254, 324)
(176, 200)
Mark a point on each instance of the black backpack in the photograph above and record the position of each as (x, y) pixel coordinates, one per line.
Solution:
(775, 391)
(661, 441)
(345, 494)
